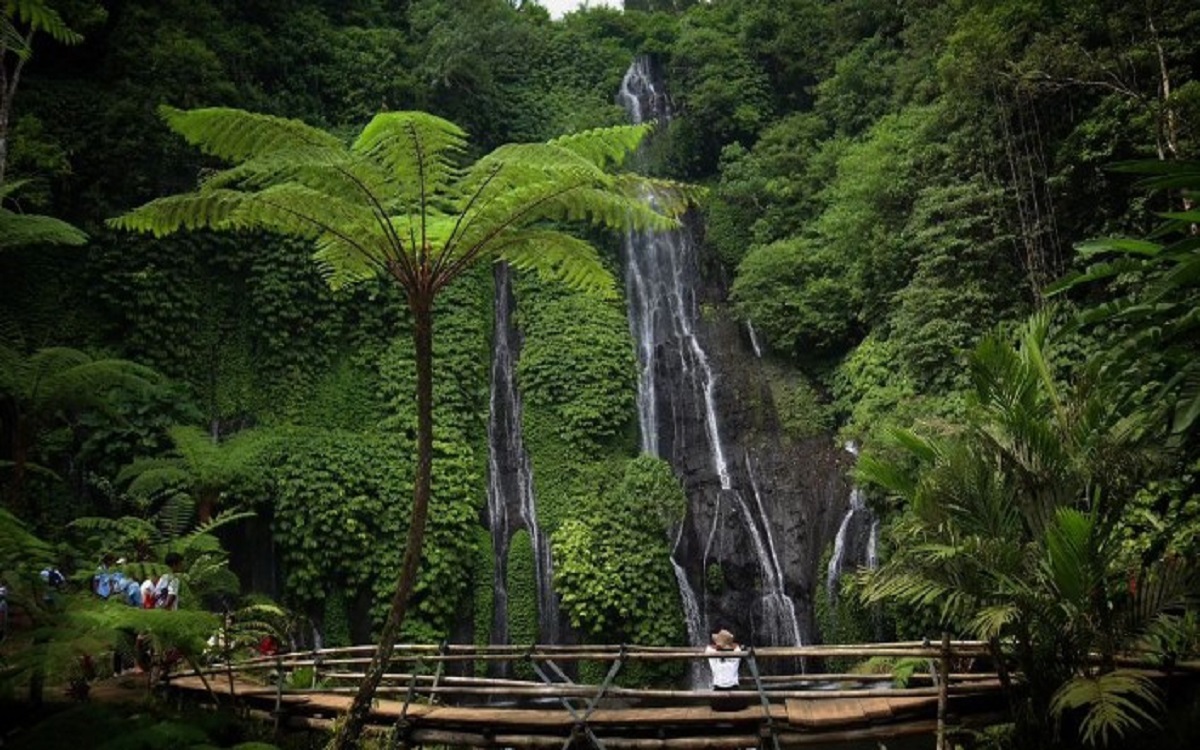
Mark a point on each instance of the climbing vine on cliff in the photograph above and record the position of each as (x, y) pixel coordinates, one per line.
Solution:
(612, 559)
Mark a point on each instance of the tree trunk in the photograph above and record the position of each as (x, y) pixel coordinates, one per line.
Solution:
(8, 91)
(347, 736)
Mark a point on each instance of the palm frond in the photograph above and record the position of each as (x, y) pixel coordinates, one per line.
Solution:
(1069, 561)
(1116, 702)
(991, 621)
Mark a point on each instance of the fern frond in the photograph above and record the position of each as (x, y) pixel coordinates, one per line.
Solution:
(146, 478)
(12, 41)
(39, 16)
(207, 209)
(606, 147)
(217, 521)
(560, 257)
(88, 384)
(175, 515)
(22, 230)
(236, 135)
(419, 151)
(115, 533)
(341, 263)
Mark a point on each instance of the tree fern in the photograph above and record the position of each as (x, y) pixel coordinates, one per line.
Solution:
(23, 230)
(37, 15)
(400, 202)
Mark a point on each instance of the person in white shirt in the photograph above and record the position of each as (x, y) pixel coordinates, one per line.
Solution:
(724, 662)
(166, 592)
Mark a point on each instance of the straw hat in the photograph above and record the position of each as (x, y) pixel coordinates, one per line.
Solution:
(723, 639)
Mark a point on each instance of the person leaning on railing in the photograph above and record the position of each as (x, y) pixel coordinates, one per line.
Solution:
(724, 661)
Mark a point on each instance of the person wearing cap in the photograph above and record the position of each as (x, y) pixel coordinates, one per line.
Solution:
(724, 660)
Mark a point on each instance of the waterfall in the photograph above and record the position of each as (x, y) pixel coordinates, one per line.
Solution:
(691, 614)
(754, 339)
(872, 543)
(837, 560)
(661, 271)
(511, 500)
(779, 611)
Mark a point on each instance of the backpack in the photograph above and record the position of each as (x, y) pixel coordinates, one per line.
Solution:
(103, 583)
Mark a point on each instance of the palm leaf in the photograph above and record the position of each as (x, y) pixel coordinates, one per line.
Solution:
(1116, 702)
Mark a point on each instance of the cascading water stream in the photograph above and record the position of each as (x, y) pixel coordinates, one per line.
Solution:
(510, 478)
(656, 294)
(837, 560)
(691, 612)
(779, 611)
(660, 275)
(754, 339)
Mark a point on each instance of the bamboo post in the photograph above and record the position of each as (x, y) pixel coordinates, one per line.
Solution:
(943, 692)
(316, 667)
(278, 691)
(762, 697)
(437, 675)
(402, 728)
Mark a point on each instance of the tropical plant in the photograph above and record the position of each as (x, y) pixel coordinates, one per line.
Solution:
(48, 388)
(18, 229)
(21, 21)
(398, 202)
(148, 540)
(1158, 314)
(1010, 532)
(202, 469)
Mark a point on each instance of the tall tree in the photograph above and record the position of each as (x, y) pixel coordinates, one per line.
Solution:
(397, 202)
(22, 20)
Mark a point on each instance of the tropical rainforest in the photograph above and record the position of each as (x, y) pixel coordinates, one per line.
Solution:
(964, 233)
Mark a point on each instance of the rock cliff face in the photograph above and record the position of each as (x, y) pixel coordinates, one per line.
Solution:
(795, 491)
(762, 507)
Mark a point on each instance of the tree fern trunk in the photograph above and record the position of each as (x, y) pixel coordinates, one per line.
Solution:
(347, 736)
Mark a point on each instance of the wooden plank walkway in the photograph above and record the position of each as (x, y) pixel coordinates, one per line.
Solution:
(793, 721)
(437, 695)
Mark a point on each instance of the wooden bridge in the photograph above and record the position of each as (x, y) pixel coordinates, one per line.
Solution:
(433, 696)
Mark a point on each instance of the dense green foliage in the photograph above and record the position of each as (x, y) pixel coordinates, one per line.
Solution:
(891, 182)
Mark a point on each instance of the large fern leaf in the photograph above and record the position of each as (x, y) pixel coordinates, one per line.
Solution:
(560, 257)
(419, 151)
(236, 135)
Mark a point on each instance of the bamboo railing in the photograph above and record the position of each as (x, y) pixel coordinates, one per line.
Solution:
(417, 673)
(421, 677)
